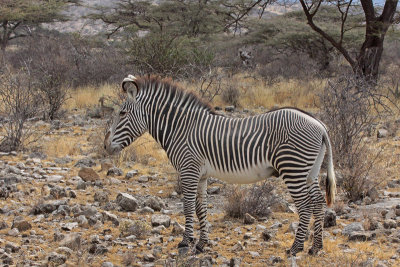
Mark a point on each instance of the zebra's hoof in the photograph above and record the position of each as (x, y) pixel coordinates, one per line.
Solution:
(198, 250)
(183, 250)
(314, 251)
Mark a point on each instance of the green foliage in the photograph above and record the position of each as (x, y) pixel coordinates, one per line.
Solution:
(167, 55)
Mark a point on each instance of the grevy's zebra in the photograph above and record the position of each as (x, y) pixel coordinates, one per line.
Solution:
(200, 144)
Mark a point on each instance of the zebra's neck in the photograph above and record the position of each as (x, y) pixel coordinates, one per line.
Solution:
(172, 113)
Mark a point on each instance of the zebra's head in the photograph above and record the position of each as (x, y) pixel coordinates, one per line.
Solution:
(130, 123)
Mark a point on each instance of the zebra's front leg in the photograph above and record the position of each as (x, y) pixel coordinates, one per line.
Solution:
(201, 212)
(189, 183)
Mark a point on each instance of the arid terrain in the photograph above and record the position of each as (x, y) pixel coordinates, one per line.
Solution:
(64, 202)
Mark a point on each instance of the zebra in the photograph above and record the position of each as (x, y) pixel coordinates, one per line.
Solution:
(201, 143)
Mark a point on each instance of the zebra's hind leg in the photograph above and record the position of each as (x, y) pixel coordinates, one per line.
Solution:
(189, 181)
(201, 212)
(301, 197)
(318, 212)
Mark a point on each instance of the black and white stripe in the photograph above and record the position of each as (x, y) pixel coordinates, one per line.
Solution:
(201, 143)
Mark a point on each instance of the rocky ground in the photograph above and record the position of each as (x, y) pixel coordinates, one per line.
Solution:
(68, 205)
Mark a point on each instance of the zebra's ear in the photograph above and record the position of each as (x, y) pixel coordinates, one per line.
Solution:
(130, 87)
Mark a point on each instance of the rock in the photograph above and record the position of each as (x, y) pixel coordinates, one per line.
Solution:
(127, 202)
(81, 185)
(88, 174)
(177, 229)
(214, 190)
(114, 171)
(248, 219)
(238, 247)
(65, 251)
(21, 224)
(155, 203)
(146, 210)
(254, 254)
(6, 259)
(107, 264)
(58, 192)
(280, 205)
(98, 249)
(389, 224)
(48, 207)
(143, 179)
(160, 219)
(69, 226)
(56, 259)
(248, 235)
(275, 259)
(155, 240)
(82, 221)
(63, 161)
(3, 225)
(13, 247)
(131, 173)
(361, 236)
(267, 234)
(382, 133)
(353, 227)
(107, 216)
(149, 257)
(85, 162)
(106, 165)
(54, 178)
(230, 108)
(38, 155)
(330, 218)
(72, 194)
(72, 241)
(276, 225)
(235, 262)
(101, 196)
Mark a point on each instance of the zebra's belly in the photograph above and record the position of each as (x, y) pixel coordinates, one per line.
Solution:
(244, 176)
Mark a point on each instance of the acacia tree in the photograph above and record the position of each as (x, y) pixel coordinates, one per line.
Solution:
(375, 20)
(17, 17)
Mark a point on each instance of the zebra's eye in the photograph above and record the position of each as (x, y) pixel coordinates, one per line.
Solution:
(122, 113)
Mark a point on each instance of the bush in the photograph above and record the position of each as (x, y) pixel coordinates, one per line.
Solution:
(254, 200)
(168, 55)
(19, 101)
(138, 228)
(348, 105)
(230, 95)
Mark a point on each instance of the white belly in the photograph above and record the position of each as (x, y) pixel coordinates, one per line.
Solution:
(246, 176)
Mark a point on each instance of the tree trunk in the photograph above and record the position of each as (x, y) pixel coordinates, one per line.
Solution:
(371, 52)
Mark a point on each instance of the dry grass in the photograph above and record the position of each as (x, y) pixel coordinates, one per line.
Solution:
(85, 97)
(62, 146)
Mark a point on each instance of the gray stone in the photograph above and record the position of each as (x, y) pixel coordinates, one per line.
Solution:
(13, 247)
(88, 174)
(21, 224)
(48, 207)
(114, 171)
(177, 229)
(81, 185)
(72, 241)
(254, 254)
(330, 218)
(146, 210)
(267, 234)
(155, 203)
(57, 192)
(160, 219)
(143, 179)
(65, 251)
(107, 216)
(3, 225)
(69, 226)
(82, 221)
(101, 196)
(107, 264)
(56, 259)
(230, 108)
(131, 173)
(382, 133)
(214, 190)
(149, 257)
(235, 262)
(98, 249)
(280, 205)
(248, 219)
(353, 227)
(127, 202)
(389, 224)
(54, 178)
(63, 160)
(85, 162)
(361, 236)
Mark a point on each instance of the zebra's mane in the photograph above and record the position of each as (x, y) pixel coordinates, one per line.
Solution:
(146, 82)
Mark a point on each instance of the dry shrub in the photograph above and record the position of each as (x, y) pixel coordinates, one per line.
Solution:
(254, 200)
(230, 95)
(348, 106)
(19, 102)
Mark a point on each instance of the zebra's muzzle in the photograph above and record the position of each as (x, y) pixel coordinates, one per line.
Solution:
(109, 146)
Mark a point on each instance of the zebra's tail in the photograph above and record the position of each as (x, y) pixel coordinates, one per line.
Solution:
(330, 178)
